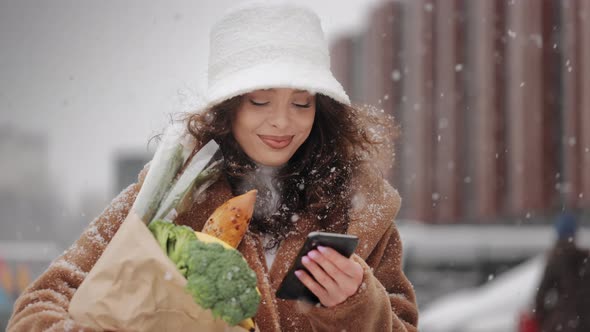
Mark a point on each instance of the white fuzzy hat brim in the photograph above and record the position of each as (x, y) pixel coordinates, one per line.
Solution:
(277, 75)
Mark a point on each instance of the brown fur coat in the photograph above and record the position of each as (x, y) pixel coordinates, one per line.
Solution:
(384, 302)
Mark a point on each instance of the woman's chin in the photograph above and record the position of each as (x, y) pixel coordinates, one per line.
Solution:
(272, 162)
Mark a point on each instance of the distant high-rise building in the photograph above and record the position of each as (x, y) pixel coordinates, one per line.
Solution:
(491, 101)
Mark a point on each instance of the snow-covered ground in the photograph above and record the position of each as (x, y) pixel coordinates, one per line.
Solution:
(470, 305)
(493, 307)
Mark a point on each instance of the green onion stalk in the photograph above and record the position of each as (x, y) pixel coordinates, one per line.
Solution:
(163, 188)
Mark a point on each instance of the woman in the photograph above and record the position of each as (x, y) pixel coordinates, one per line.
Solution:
(286, 127)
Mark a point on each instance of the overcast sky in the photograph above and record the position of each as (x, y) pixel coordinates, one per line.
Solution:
(98, 77)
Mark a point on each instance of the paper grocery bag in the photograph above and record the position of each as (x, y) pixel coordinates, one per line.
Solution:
(135, 287)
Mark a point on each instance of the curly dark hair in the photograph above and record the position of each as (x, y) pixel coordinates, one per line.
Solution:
(315, 180)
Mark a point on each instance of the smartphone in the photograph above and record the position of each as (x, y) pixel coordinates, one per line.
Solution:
(291, 288)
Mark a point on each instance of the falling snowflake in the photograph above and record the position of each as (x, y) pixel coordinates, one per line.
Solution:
(572, 141)
(450, 165)
(537, 39)
(512, 34)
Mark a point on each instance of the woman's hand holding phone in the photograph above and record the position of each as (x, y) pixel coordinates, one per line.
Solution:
(322, 272)
(336, 277)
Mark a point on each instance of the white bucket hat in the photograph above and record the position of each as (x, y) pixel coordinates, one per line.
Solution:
(262, 45)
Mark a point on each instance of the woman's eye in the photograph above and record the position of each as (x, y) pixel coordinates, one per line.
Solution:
(258, 103)
(308, 105)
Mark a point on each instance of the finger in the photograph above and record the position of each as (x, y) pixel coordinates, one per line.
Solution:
(323, 296)
(346, 265)
(320, 275)
(347, 285)
(312, 285)
(332, 270)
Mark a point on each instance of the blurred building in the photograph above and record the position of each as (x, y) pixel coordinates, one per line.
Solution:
(492, 101)
(28, 204)
(29, 213)
(128, 164)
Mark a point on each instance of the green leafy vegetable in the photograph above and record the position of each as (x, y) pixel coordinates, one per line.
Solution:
(174, 240)
(218, 277)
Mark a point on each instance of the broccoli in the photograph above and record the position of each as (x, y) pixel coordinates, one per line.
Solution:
(174, 241)
(221, 280)
(218, 277)
(162, 231)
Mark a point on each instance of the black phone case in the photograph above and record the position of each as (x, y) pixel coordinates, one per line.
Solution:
(291, 287)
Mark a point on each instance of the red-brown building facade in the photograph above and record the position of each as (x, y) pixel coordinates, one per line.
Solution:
(492, 98)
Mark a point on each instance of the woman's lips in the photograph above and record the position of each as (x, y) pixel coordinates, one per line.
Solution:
(276, 142)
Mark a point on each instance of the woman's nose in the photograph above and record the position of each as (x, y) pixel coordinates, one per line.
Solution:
(279, 116)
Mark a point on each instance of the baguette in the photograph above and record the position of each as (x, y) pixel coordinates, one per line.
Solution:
(230, 221)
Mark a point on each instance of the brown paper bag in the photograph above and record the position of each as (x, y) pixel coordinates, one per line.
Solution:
(135, 287)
